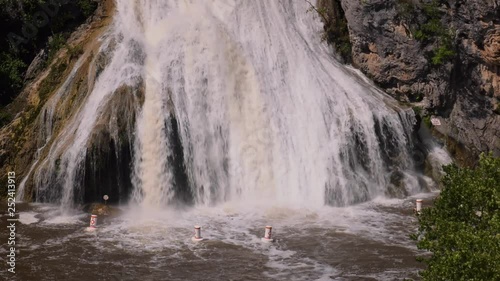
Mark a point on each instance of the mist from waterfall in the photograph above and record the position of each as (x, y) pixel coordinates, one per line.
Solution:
(245, 100)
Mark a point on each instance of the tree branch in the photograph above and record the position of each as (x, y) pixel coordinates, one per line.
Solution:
(322, 14)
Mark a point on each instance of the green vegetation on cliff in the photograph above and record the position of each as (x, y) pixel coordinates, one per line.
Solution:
(336, 30)
(462, 230)
(428, 28)
(28, 26)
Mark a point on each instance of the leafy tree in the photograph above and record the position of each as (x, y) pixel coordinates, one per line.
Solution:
(11, 69)
(462, 230)
(87, 7)
(18, 47)
(57, 42)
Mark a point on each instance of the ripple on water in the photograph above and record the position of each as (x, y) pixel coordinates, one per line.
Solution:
(368, 241)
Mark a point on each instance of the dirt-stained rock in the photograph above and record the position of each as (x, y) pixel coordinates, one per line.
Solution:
(102, 210)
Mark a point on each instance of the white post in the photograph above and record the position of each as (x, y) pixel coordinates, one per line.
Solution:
(268, 235)
(93, 223)
(197, 234)
(419, 206)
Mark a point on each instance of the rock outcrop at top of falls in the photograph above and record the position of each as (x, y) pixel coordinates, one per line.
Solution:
(442, 56)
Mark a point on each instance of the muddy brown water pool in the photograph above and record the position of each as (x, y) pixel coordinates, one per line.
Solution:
(363, 242)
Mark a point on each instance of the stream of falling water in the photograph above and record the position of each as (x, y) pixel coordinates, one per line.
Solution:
(264, 112)
(251, 97)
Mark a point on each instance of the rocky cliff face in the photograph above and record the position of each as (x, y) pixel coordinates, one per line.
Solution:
(443, 57)
(40, 110)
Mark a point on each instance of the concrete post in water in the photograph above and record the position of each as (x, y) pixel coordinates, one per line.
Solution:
(268, 235)
(93, 223)
(197, 234)
(419, 206)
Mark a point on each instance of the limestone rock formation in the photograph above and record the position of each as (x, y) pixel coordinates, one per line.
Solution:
(20, 138)
(463, 90)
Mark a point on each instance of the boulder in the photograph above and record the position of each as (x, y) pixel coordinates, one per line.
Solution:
(102, 210)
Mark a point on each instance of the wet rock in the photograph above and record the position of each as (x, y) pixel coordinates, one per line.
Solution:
(107, 167)
(382, 45)
(397, 187)
(21, 139)
(464, 91)
(434, 168)
(425, 184)
(102, 210)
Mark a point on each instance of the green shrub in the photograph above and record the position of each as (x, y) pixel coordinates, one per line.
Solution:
(442, 54)
(5, 117)
(75, 52)
(431, 9)
(417, 110)
(462, 230)
(18, 50)
(55, 44)
(87, 7)
(431, 31)
(336, 30)
(11, 70)
(52, 80)
(405, 9)
(427, 121)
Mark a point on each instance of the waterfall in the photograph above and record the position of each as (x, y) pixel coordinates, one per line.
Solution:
(230, 100)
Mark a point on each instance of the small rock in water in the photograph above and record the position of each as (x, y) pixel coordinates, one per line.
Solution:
(397, 187)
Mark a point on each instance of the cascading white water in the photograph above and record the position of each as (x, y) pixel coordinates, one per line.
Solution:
(262, 111)
(46, 121)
